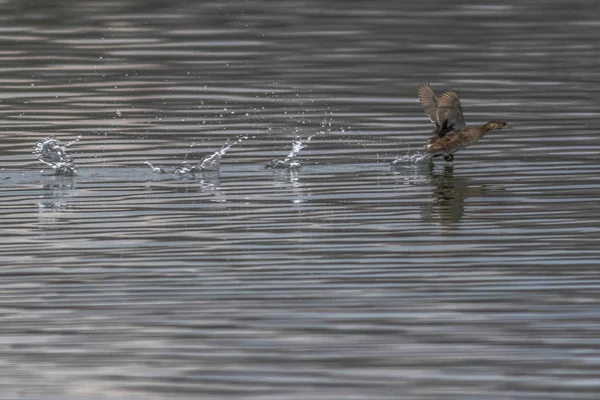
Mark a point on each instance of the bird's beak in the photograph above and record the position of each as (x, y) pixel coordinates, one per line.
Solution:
(508, 127)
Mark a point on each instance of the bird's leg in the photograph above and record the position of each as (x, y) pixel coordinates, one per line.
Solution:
(449, 157)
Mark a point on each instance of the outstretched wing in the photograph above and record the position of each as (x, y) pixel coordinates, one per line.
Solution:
(429, 102)
(449, 112)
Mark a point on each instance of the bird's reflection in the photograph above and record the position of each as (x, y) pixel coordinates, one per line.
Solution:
(449, 195)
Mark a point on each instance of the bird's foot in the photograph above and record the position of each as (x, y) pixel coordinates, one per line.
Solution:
(449, 157)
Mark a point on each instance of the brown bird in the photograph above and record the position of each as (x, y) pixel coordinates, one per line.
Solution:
(451, 132)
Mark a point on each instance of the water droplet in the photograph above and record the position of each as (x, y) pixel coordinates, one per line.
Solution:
(51, 152)
(414, 158)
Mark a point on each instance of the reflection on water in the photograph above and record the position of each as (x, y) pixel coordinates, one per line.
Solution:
(346, 278)
(56, 196)
(209, 183)
(289, 181)
(449, 195)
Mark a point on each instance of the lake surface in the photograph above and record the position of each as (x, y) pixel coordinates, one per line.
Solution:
(346, 278)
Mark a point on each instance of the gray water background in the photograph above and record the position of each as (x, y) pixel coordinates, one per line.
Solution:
(345, 279)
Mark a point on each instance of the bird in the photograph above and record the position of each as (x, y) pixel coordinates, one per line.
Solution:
(451, 132)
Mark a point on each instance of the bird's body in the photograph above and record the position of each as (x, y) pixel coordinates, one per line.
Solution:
(451, 132)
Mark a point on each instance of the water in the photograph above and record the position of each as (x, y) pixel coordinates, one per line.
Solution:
(211, 162)
(292, 161)
(51, 152)
(411, 158)
(345, 278)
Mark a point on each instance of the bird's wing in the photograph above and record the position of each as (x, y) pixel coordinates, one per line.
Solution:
(429, 102)
(449, 112)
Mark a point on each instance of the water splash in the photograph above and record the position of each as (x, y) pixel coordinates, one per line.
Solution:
(414, 158)
(51, 152)
(291, 160)
(211, 162)
(157, 170)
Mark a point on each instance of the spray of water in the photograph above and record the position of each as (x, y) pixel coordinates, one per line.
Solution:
(291, 160)
(208, 163)
(51, 152)
(157, 170)
(411, 159)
